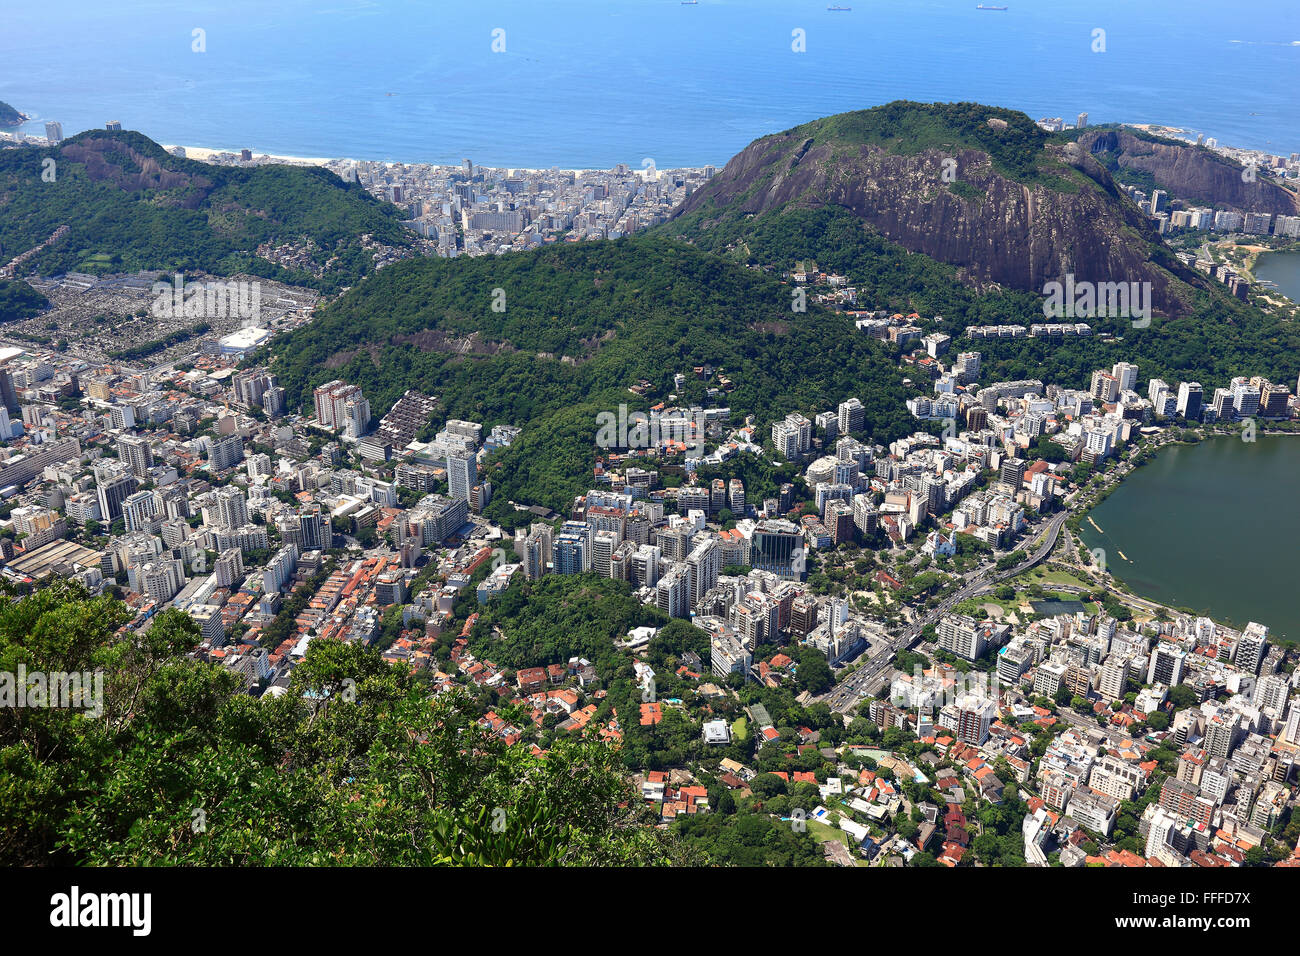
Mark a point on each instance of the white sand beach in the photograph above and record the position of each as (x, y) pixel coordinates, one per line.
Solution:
(203, 153)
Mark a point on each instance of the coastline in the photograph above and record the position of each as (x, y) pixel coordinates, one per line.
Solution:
(205, 154)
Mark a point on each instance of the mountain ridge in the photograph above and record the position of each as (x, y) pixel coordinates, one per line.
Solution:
(980, 188)
(1187, 172)
(127, 200)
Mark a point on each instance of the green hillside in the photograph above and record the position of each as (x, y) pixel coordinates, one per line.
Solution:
(979, 188)
(18, 300)
(129, 205)
(864, 194)
(1219, 338)
(582, 323)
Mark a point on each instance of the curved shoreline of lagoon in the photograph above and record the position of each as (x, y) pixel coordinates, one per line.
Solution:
(1282, 269)
(1211, 527)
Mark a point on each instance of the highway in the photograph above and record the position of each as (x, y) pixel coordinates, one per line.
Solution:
(845, 695)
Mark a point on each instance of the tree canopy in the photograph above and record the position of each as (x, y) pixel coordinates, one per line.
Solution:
(354, 765)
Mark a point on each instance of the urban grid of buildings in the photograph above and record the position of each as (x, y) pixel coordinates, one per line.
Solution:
(195, 486)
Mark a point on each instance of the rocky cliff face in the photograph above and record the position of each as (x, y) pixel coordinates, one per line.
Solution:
(1189, 172)
(997, 230)
(107, 160)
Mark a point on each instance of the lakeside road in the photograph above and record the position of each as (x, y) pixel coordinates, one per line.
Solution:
(845, 695)
(871, 676)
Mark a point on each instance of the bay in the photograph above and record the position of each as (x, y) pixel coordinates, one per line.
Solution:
(581, 83)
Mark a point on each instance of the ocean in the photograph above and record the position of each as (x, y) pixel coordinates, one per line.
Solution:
(580, 83)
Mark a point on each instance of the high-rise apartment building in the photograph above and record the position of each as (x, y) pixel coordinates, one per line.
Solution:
(340, 406)
(113, 489)
(136, 453)
(852, 416)
(225, 452)
(1252, 646)
(1190, 398)
(462, 474)
(1126, 375)
(1166, 665)
(975, 715)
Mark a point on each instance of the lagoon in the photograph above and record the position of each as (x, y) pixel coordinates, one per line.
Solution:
(1212, 527)
(1283, 268)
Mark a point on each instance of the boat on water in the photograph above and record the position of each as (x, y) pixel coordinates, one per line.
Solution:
(839, 9)
(986, 7)
(690, 3)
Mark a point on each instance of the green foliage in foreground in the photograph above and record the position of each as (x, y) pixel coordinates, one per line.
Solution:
(354, 765)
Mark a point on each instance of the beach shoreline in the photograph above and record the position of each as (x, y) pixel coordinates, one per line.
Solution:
(206, 153)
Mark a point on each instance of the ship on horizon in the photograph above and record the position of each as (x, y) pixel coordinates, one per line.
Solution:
(984, 7)
(839, 9)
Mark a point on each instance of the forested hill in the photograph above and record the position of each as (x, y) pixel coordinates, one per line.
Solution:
(580, 323)
(18, 300)
(862, 194)
(980, 188)
(1220, 338)
(129, 204)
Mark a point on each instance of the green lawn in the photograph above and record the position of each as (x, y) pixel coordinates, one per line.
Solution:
(822, 832)
(740, 729)
(95, 263)
(1055, 576)
(1047, 579)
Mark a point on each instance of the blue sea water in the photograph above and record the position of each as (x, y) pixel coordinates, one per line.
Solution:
(584, 83)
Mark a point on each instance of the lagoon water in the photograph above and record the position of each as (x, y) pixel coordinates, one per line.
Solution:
(591, 83)
(1282, 268)
(1213, 527)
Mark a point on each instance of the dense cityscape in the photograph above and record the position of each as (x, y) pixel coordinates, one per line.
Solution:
(926, 612)
(878, 480)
